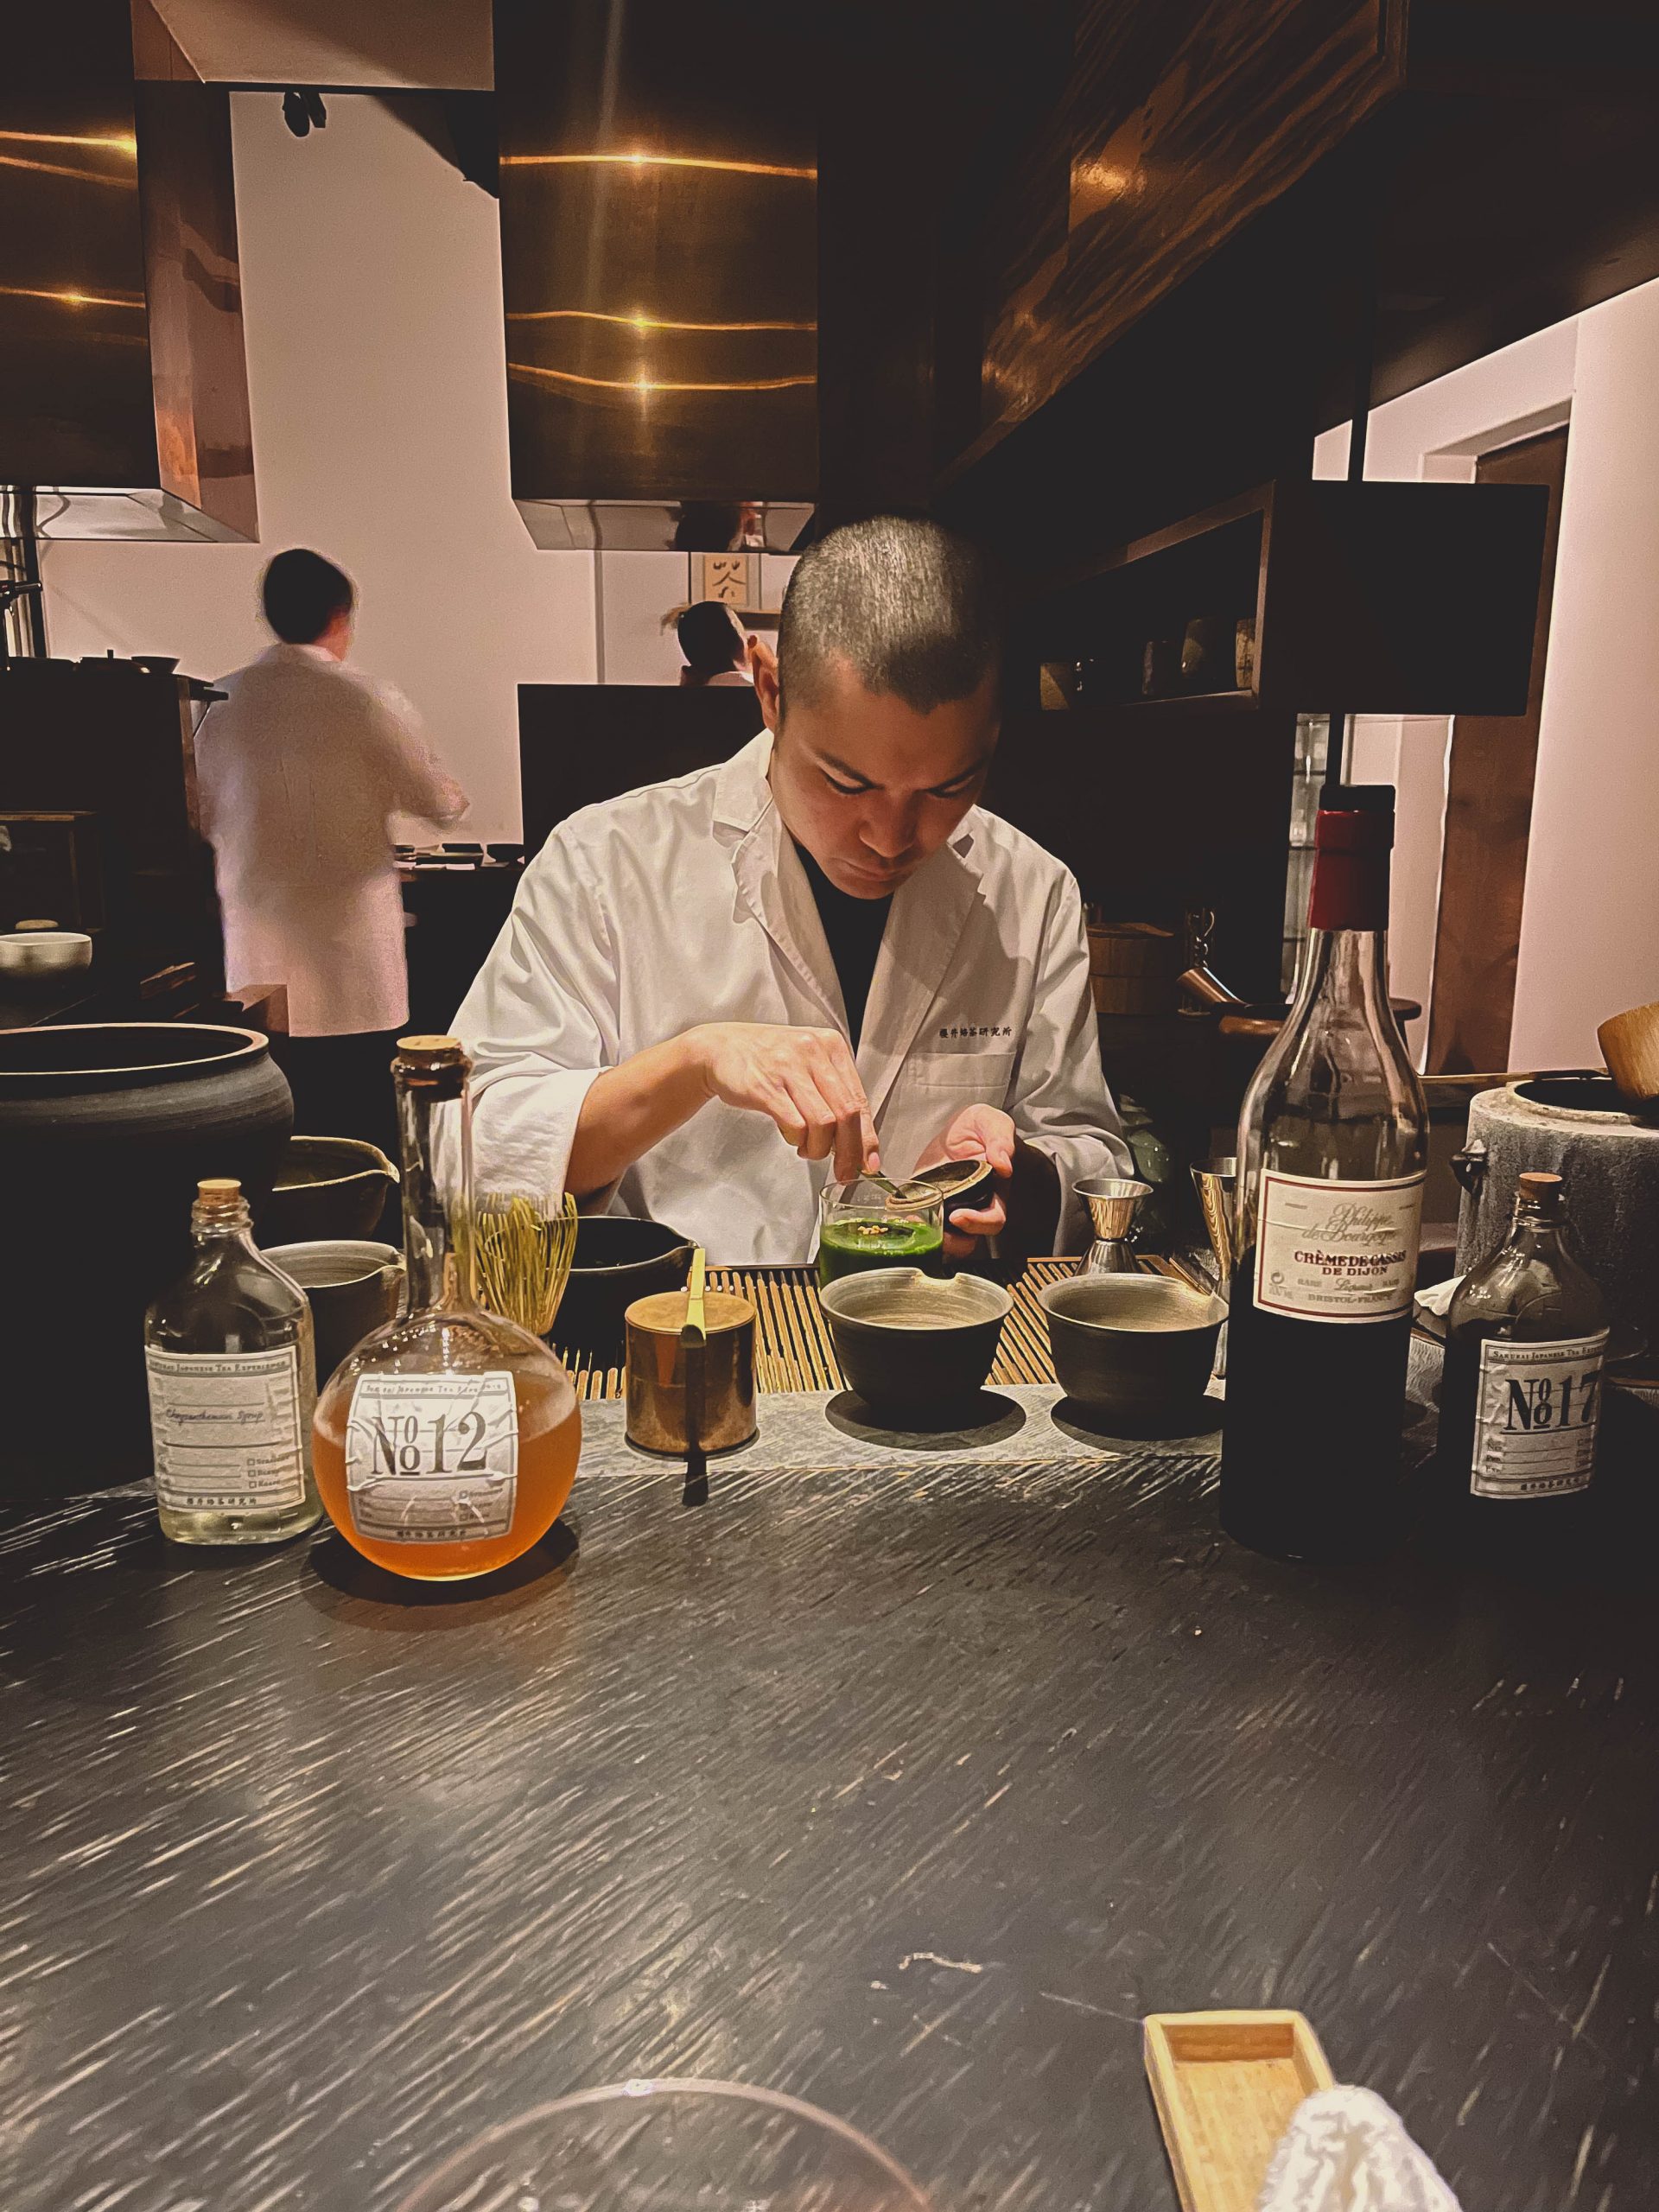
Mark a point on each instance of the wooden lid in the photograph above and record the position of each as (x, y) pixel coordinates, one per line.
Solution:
(662, 1314)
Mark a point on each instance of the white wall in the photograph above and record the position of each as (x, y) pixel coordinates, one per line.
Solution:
(1589, 924)
(635, 592)
(1435, 433)
(372, 304)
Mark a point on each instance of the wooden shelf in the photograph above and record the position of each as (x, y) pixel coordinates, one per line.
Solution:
(1177, 703)
(1406, 599)
(1149, 275)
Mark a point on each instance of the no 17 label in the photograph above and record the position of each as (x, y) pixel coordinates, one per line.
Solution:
(1535, 1416)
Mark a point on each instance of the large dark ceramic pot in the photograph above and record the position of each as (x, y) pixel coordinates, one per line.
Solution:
(617, 1259)
(105, 1129)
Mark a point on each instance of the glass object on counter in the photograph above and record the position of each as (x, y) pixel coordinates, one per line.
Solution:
(664, 2146)
(1526, 1336)
(863, 1224)
(1332, 1156)
(447, 1443)
(232, 1381)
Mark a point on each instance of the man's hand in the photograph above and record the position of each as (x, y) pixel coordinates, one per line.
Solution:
(803, 1078)
(978, 1133)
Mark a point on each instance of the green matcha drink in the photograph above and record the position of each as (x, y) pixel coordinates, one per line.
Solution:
(848, 1245)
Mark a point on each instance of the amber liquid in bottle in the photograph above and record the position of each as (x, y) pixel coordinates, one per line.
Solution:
(550, 1443)
(447, 1444)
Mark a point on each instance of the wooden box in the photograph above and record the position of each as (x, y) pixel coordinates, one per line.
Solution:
(1226, 2085)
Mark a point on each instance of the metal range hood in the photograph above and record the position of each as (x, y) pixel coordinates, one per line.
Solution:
(124, 401)
(659, 262)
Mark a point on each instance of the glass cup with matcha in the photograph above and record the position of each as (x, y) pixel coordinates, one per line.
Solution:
(863, 1225)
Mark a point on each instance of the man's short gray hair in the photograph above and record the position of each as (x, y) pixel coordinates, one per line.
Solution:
(914, 610)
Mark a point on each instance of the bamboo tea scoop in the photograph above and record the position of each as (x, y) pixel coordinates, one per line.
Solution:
(694, 1346)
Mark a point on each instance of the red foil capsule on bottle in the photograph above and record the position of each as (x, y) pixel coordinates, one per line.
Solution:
(1350, 864)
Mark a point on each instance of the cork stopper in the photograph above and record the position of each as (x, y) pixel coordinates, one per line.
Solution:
(438, 1066)
(1542, 1196)
(218, 1197)
(432, 1051)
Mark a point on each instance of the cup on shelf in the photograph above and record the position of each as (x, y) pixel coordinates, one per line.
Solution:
(1160, 667)
(1207, 655)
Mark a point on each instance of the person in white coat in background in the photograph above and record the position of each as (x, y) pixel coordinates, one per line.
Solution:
(716, 651)
(302, 771)
(821, 956)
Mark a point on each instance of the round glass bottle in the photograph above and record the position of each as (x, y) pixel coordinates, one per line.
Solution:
(232, 1381)
(447, 1443)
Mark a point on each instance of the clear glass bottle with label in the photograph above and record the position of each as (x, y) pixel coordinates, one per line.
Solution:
(447, 1443)
(232, 1382)
(1332, 1151)
(1526, 1336)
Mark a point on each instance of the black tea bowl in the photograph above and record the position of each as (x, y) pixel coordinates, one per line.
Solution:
(913, 1343)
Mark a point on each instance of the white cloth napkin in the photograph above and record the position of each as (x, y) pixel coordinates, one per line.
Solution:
(1436, 1299)
(1346, 2150)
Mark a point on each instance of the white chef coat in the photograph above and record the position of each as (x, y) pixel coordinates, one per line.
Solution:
(301, 771)
(686, 902)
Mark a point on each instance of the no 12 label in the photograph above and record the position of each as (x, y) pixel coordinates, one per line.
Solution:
(433, 1458)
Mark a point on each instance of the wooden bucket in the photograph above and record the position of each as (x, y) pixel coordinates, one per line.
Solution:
(1133, 967)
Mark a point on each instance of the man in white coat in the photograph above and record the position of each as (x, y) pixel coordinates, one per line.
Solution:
(302, 771)
(823, 954)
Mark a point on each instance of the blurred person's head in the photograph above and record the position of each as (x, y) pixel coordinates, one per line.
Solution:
(309, 602)
(884, 701)
(711, 640)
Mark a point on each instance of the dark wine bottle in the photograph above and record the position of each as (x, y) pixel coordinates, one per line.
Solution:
(1526, 1336)
(1333, 1149)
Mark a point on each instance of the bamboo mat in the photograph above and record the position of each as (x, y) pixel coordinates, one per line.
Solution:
(792, 1346)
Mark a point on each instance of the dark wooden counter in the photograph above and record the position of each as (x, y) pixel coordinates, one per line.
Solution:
(909, 1791)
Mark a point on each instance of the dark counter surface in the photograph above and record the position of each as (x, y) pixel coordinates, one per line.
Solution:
(906, 1788)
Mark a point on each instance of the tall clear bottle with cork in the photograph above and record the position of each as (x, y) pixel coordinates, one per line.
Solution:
(232, 1383)
(447, 1442)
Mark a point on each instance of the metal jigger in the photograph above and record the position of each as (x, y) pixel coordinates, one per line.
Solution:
(1215, 1181)
(1113, 1203)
